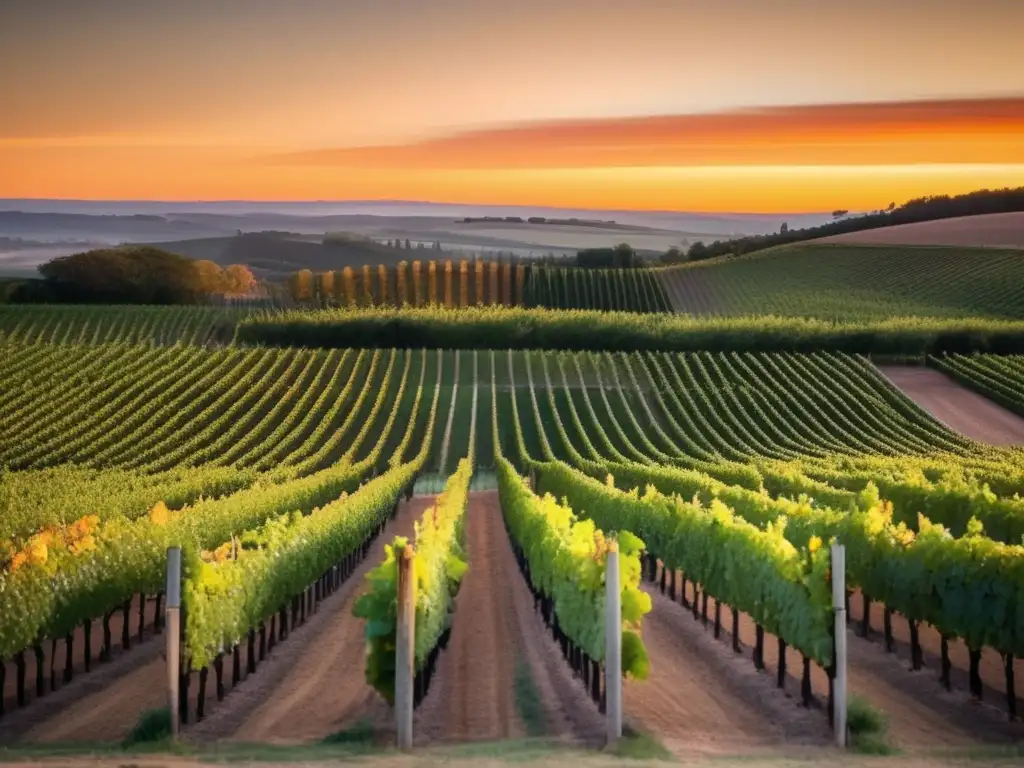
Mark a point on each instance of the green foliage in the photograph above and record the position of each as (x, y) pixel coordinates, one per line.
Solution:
(136, 274)
(128, 557)
(30, 500)
(868, 727)
(854, 283)
(518, 328)
(784, 589)
(439, 566)
(567, 560)
(138, 325)
(1000, 379)
(224, 600)
(584, 287)
(153, 725)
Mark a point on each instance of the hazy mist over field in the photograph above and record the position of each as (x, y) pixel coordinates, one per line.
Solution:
(32, 231)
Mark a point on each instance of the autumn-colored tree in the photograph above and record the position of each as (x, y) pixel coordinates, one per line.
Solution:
(478, 284)
(432, 282)
(401, 292)
(211, 276)
(382, 284)
(239, 279)
(348, 281)
(463, 283)
(367, 286)
(449, 300)
(302, 285)
(520, 283)
(493, 296)
(417, 283)
(326, 288)
(506, 284)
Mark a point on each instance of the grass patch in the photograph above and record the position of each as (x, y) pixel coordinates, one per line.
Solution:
(154, 726)
(528, 705)
(360, 733)
(636, 745)
(868, 728)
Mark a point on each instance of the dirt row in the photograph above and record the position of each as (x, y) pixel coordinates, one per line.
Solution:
(503, 677)
(956, 406)
(921, 713)
(139, 659)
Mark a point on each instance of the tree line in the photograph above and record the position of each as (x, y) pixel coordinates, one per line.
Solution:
(982, 201)
(133, 275)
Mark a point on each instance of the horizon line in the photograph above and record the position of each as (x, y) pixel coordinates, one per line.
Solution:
(384, 201)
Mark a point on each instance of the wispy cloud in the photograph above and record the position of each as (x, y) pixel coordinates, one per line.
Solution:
(894, 133)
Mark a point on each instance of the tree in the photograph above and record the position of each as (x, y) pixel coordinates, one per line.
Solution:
(625, 256)
(211, 276)
(301, 285)
(128, 275)
(697, 252)
(784, 228)
(838, 214)
(673, 256)
(239, 278)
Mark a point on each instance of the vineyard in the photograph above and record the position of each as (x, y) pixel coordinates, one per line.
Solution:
(481, 283)
(297, 472)
(1000, 378)
(853, 283)
(611, 290)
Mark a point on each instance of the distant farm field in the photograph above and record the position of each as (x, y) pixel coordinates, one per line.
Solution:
(992, 230)
(848, 282)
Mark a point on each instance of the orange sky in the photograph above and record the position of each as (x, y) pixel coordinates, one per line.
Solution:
(737, 105)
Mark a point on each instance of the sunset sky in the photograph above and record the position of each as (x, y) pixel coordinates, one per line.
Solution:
(733, 105)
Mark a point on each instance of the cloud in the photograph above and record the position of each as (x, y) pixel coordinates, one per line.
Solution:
(893, 133)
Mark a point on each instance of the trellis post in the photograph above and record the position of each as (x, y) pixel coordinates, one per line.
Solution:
(173, 636)
(405, 647)
(613, 644)
(839, 606)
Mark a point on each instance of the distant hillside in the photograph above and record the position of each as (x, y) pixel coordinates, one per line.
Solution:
(275, 256)
(993, 230)
(853, 282)
(922, 209)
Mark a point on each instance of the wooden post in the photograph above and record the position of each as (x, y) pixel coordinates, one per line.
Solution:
(839, 662)
(405, 647)
(613, 644)
(173, 591)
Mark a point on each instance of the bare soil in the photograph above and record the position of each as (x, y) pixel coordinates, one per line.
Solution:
(472, 694)
(553, 758)
(314, 684)
(702, 699)
(991, 668)
(996, 230)
(956, 406)
(922, 715)
(85, 708)
(495, 635)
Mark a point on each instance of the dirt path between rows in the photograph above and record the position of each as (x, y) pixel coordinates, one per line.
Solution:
(956, 406)
(922, 715)
(108, 711)
(702, 699)
(472, 695)
(496, 639)
(314, 684)
(991, 669)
